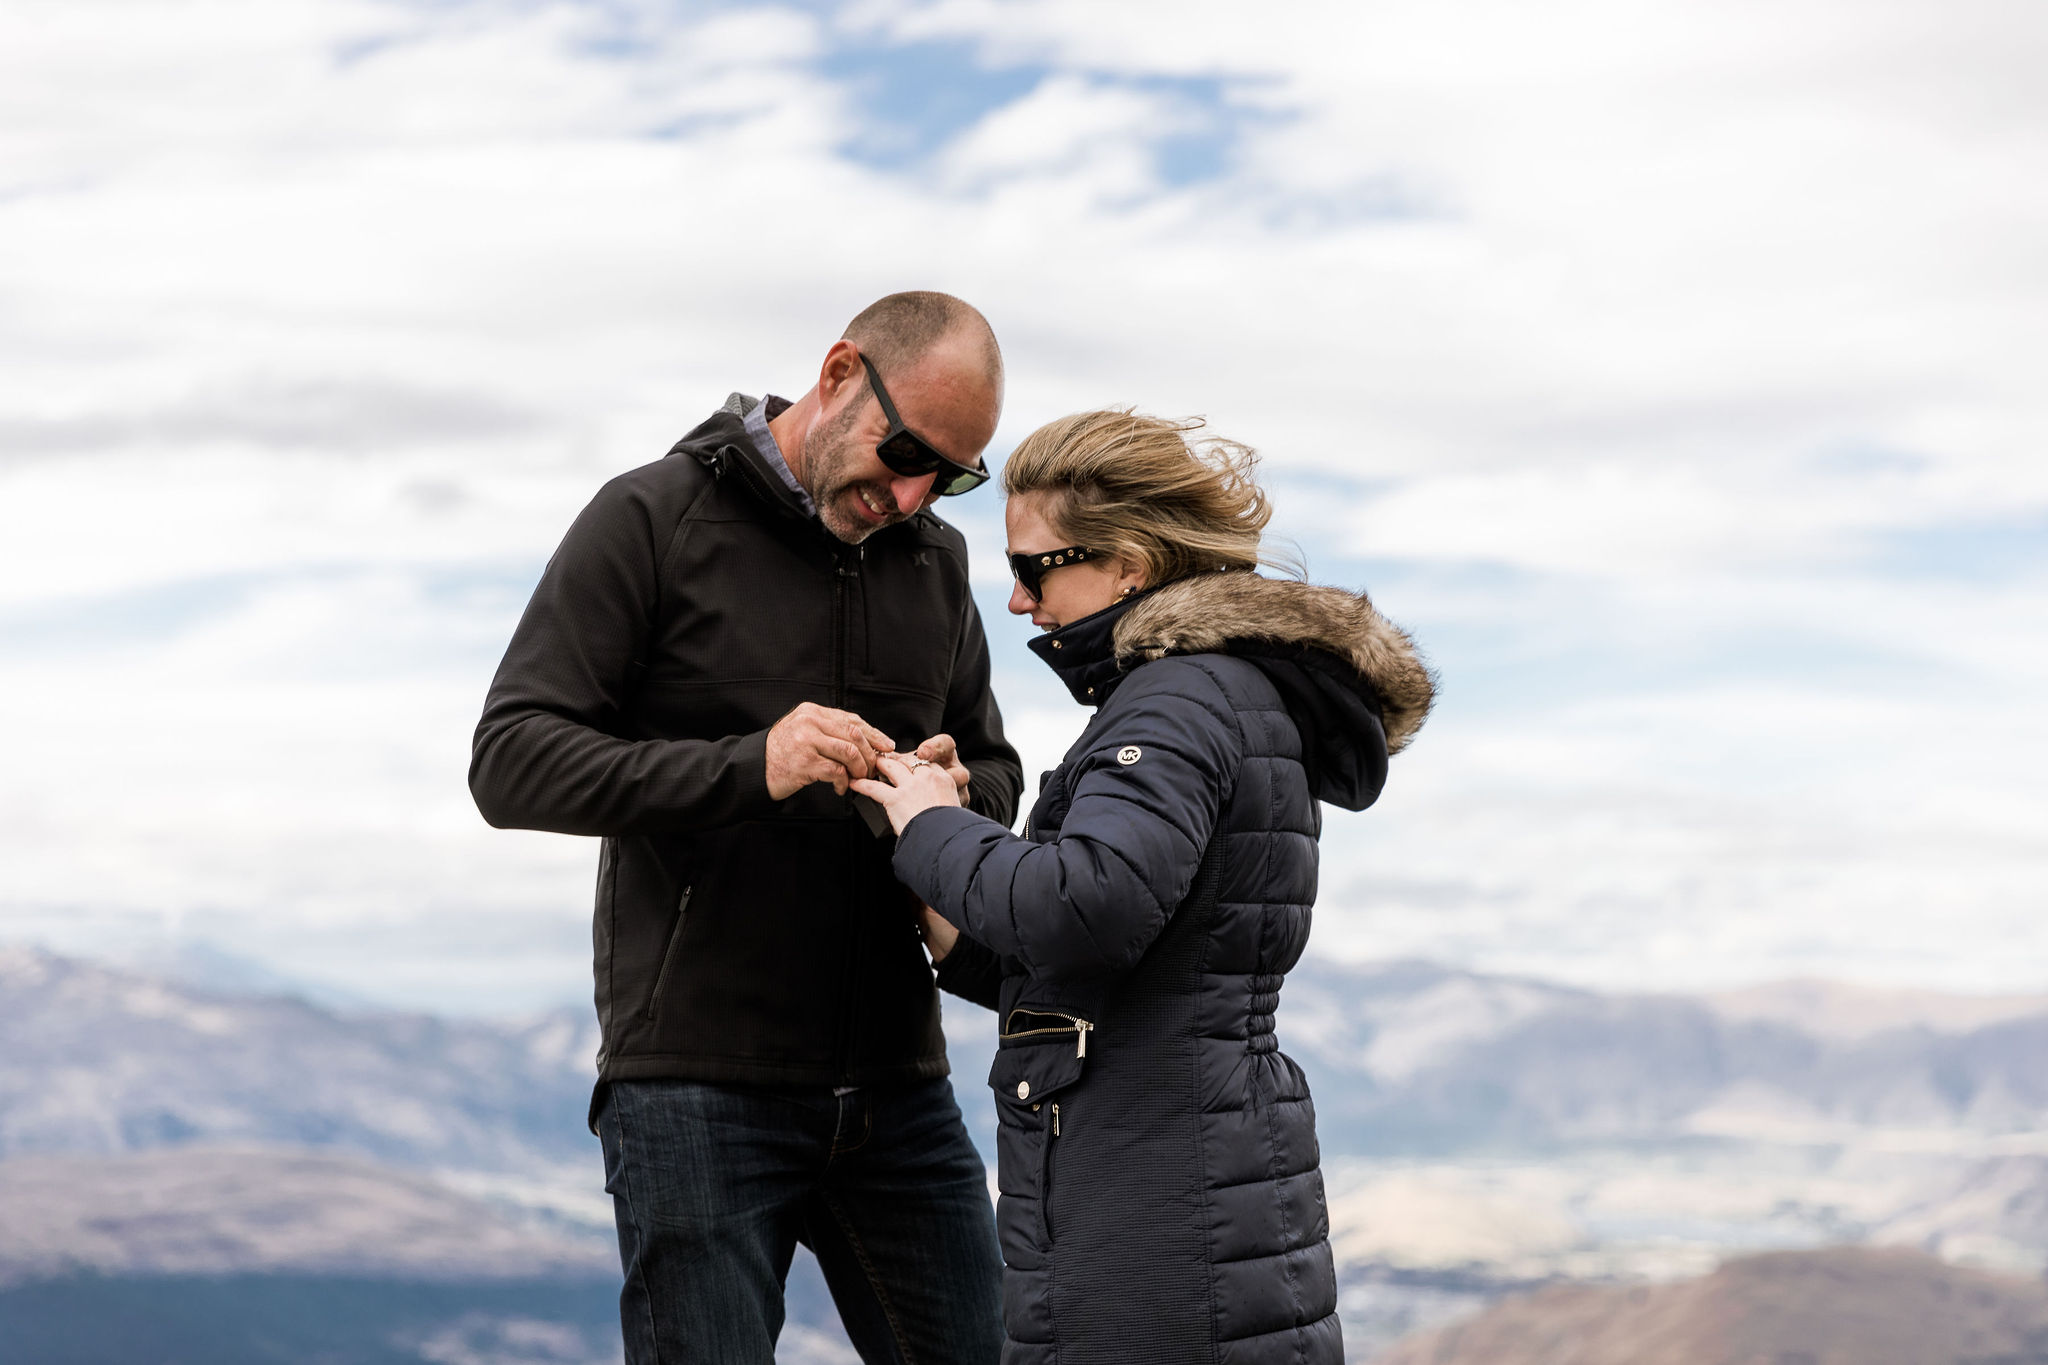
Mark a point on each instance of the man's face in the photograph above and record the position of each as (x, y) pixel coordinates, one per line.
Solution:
(943, 398)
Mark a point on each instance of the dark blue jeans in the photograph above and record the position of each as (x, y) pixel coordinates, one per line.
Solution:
(714, 1186)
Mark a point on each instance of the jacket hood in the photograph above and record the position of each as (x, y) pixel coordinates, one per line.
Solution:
(1246, 614)
(1348, 676)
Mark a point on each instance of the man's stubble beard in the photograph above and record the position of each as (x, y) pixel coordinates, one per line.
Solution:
(827, 453)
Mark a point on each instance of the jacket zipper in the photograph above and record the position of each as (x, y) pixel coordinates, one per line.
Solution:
(668, 958)
(841, 628)
(842, 623)
(1076, 1025)
(1045, 1172)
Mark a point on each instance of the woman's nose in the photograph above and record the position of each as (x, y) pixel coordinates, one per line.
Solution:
(1020, 601)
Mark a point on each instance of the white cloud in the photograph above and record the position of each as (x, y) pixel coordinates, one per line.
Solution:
(1674, 317)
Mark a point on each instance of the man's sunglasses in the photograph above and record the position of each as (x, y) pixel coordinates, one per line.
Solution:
(1030, 570)
(906, 453)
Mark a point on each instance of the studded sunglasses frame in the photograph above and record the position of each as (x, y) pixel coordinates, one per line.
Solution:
(1030, 570)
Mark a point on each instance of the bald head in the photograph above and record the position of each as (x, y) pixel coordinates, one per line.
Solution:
(898, 331)
(939, 362)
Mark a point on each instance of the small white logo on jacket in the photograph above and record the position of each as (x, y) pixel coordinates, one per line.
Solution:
(1129, 754)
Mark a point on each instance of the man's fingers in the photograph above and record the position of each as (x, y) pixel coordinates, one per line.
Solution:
(841, 754)
(864, 746)
(816, 743)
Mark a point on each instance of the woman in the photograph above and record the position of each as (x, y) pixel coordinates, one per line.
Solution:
(1157, 1163)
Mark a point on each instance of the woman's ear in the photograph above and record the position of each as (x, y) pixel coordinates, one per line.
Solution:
(1130, 577)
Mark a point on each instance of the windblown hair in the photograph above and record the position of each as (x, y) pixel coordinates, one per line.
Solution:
(896, 331)
(1137, 487)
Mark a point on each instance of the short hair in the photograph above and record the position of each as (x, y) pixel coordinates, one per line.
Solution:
(1122, 483)
(898, 330)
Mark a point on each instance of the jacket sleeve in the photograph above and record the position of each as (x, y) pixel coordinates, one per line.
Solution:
(971, 972)
(549, 753)
(997, 774)
(1146, 797)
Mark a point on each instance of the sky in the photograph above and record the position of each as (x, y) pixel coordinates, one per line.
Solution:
(1671, 369)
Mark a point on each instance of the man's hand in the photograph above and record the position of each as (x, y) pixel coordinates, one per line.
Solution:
(818, 744)
(941, 750)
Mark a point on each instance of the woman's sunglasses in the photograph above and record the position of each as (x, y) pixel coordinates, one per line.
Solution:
(906, 453)
(1030, 570)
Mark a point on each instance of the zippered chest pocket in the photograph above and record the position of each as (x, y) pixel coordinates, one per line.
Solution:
(1038, 1054)
(1042, 1025)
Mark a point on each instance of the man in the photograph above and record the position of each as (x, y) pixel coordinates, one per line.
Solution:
(725, 639)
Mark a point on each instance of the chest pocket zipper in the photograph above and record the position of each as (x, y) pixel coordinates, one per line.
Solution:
(1038, 1022)
(668, 956)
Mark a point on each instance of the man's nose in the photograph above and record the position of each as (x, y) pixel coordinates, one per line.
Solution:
(911, 494)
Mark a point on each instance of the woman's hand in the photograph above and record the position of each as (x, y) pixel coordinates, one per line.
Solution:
(939, 936)
(915, 785)
(941, 750)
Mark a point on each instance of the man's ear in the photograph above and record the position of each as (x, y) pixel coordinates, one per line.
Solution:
(841, 372)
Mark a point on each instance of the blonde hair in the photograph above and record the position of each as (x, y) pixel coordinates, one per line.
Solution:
(1136, 487)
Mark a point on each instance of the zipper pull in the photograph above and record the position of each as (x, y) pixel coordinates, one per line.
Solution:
(1055, 1118)
(1081, 1028)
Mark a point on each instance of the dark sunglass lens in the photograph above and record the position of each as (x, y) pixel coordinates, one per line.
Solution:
(907, 455)
(959, 480)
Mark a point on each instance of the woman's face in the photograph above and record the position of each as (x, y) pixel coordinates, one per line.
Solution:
(1068, 592)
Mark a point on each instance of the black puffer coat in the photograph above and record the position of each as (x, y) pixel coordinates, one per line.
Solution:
(1157, 1162)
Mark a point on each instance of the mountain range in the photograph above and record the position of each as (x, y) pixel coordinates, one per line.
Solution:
(1404, 1058)
(1483, 1135)
(1417, 1058)
(100, 1061)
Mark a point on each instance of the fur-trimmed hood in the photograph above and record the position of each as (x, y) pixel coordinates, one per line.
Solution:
(1224, 613)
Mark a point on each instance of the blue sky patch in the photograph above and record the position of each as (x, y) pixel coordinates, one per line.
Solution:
(917, 96)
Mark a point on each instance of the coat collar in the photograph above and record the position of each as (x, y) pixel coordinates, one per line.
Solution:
(1083, 653)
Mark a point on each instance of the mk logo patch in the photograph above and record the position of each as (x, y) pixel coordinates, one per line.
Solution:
(1129, 754)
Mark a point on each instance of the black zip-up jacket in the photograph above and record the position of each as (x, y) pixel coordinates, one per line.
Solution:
(694, 603)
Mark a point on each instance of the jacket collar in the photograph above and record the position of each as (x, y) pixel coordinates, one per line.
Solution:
(721, 443)
(1083, 653)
